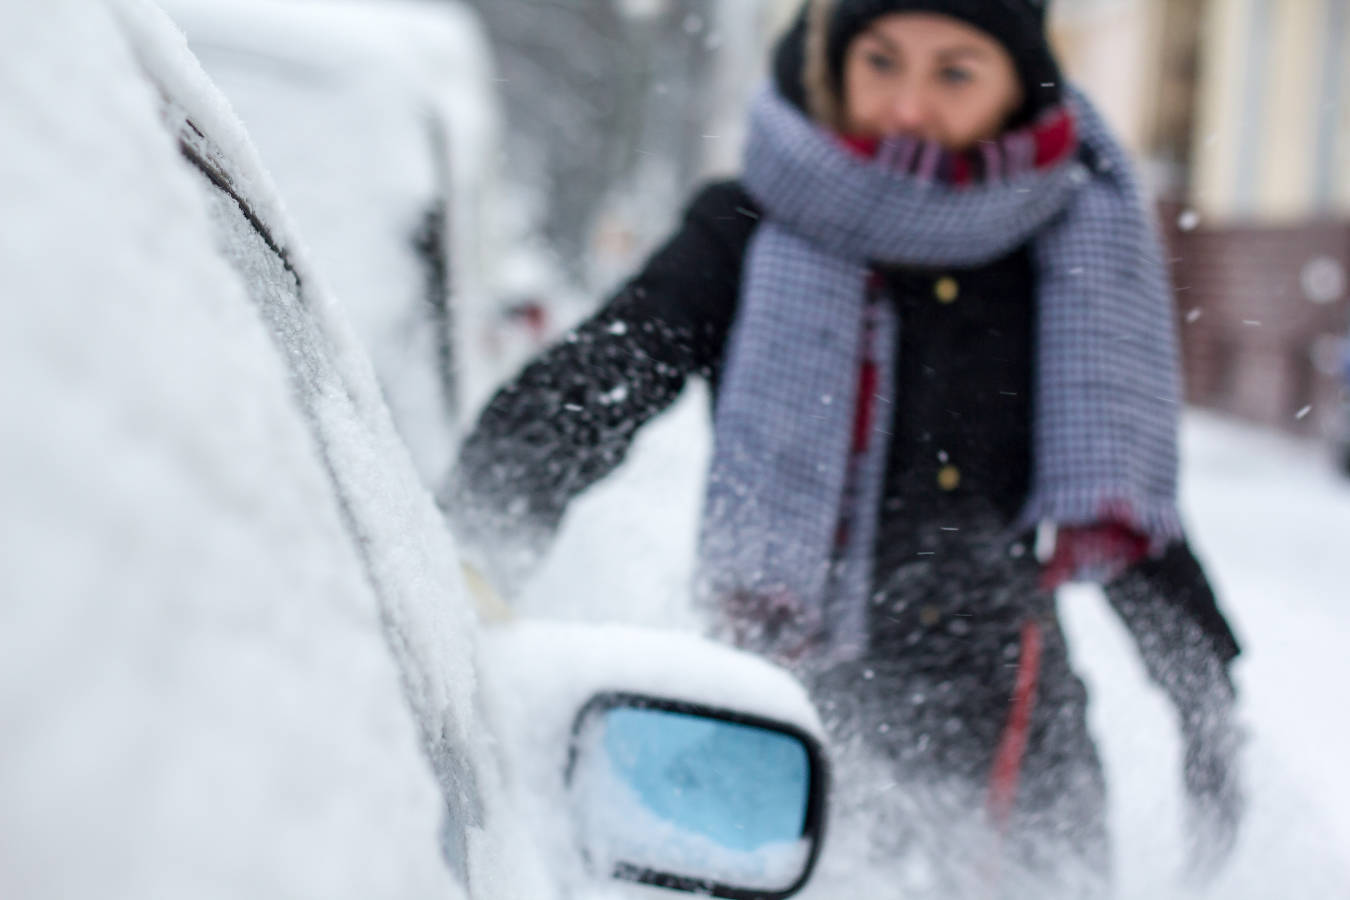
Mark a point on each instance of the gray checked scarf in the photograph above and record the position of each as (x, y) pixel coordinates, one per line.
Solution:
(1107, 388)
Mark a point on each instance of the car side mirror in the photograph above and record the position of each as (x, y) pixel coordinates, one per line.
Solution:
(692, 798)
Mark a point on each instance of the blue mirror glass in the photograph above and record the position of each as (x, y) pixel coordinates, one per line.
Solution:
(709, 800)
(743, 788)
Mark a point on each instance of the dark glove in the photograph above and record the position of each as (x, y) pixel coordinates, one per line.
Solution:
(772, 623)
(1215, 798)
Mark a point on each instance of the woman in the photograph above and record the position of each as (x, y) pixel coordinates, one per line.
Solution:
(934, 317)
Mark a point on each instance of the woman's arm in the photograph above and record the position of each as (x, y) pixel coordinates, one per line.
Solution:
(1188, 647)
(569, 417)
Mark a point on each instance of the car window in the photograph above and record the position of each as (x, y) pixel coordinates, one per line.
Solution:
(350, 459)
(373, 207)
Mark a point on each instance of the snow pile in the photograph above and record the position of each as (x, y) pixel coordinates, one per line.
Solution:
(626, 550)
(522, 661)
(1268, 516)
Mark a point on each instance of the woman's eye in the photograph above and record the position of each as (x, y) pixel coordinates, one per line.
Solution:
(955, 75)
(880, 62)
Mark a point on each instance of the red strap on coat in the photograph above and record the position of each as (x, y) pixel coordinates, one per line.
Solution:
(1012, 747)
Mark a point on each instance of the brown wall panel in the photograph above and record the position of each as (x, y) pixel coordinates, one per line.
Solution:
(1249, 326)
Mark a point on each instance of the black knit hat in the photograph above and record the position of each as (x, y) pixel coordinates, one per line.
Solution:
(829, 26)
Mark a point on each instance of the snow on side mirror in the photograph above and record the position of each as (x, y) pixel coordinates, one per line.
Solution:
(553, 693)
(693, 798)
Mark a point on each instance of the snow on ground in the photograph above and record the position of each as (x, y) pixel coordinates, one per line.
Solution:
(1268, 516)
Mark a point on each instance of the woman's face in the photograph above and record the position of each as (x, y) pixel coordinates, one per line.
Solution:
(929, 76)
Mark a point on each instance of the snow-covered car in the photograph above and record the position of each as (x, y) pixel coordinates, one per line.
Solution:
(236, 654)
(378, 121)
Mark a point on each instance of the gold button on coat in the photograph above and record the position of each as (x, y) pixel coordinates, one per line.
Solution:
(929, 615)
(946, 289)
(949, 478)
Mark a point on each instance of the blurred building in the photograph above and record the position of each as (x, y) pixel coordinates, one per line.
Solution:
(1236, 105)
(1237, 110)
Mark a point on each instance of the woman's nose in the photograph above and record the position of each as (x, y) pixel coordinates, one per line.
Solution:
(909, 110)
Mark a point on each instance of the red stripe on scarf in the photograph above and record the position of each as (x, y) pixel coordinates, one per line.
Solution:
(867, 403)
(862, 147)
(963, 171)
(1055, 136)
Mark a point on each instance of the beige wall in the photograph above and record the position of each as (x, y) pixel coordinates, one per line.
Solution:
(1214, 158)
(780, 12)
(1278, 116)
(1105, 48)
(1341, 116)
(1294, 92)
